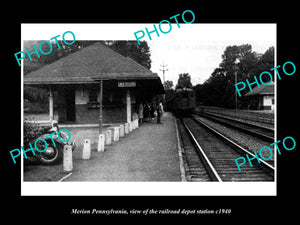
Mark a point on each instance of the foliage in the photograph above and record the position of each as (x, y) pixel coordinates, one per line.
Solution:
(168, 84)
(32, 131)
(34, 94)
(239, 61)
(139, 53)
(184, 80)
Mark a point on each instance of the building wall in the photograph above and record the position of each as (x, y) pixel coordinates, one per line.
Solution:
(268, 102)
(262, 102)
(81, 96)
(114, 107)
(265, 102)
(111, 114)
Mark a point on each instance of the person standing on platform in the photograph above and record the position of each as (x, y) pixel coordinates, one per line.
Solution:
(160, 111)
(152, 111)
(146, 112)
(141, 113)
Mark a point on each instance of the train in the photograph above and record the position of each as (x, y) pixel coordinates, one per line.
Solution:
(184, 101)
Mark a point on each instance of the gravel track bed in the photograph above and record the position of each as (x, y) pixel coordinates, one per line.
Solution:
(194, 168)
(247, 141)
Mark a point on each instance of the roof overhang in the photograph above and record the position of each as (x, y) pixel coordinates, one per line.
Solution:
(151, 83)
(90, 79)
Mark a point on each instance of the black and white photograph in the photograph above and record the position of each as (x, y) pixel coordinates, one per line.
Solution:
(131, 112)
(113, 112)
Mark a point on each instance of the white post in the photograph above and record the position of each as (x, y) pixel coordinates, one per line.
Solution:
(117, 133)
(68, 159)
(101, 143)
(121, 130)
(126, 128)
(137, 123)
(86, 152)
(128, 106)
(130, 127)
(50, 104)
(108, 137)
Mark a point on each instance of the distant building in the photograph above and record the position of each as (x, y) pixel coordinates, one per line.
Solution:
(262, 98)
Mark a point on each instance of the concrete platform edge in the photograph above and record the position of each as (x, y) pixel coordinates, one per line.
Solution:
(181, 163)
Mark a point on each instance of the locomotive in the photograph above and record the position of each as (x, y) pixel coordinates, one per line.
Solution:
(184, 101)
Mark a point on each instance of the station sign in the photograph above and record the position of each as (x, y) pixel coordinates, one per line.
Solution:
(126, 83)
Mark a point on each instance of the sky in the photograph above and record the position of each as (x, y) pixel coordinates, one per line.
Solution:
(197, 48)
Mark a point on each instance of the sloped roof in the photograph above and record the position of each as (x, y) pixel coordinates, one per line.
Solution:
(263, 90)
(91, 63)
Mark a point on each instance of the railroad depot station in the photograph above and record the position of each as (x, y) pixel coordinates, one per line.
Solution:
(97, 93)
(97, 86)
(78, 78)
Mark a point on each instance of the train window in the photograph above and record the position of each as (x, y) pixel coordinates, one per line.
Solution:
(185, 95)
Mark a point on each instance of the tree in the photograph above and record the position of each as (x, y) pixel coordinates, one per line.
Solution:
(139, 53)
(169, 96)
(239, 61)
(184, 80)
(168, 84)
(267, 59)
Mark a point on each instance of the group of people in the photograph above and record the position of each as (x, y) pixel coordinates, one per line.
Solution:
(148, 111)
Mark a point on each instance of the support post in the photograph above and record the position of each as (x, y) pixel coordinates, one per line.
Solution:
(128, 106)
(50, 104)
(100, 110)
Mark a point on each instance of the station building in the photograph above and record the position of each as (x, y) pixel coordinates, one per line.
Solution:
(95, 81)
(262, 98)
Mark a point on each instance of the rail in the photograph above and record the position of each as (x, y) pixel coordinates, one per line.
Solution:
(266, 118)
(216, 157)
(264, 133)
(207, 164)
(264, 165)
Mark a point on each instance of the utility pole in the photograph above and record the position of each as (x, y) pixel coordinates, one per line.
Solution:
(237, 61)
(163, 69)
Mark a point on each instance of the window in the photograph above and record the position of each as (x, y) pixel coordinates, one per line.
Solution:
(93, 95)
(185, 95)
(93, 99)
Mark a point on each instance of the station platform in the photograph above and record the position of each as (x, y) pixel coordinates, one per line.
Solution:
(148, 153)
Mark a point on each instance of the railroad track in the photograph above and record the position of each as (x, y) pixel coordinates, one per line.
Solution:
(243, 115)
(217, 154)
(264, 133)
